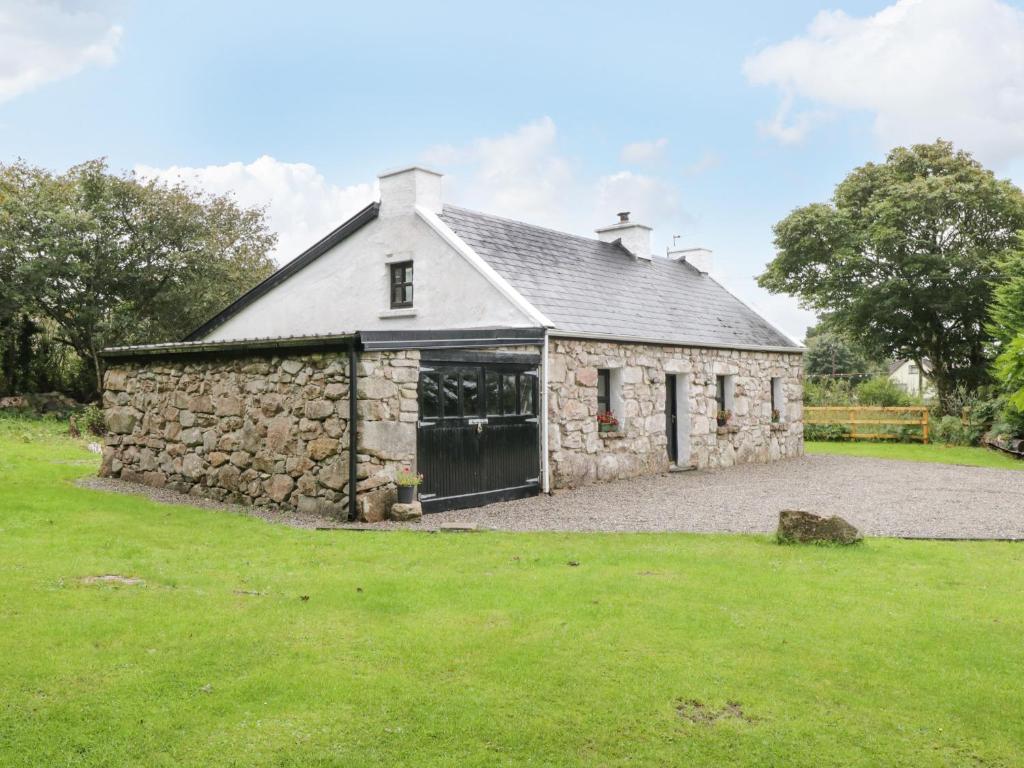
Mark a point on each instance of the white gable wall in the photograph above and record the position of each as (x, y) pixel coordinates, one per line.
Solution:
(346, 289)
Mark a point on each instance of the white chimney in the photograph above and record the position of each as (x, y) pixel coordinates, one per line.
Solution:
(404, 189)
(696, 257)
(635, 238)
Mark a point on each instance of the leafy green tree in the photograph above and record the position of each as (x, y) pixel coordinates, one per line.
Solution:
(904, 258)
(112, 259)
(1010, 370)
(832, 353)
(1007, 310)
(1008, 328)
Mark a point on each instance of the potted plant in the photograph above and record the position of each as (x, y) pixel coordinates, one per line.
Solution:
(723, 417)
(606, 422)
(407, 482)
(776, 416)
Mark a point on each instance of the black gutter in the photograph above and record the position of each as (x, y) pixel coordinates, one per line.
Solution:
(311, 254)
(243, 347)
(353, 429)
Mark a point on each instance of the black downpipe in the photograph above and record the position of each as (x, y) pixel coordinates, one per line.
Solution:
(353, 427)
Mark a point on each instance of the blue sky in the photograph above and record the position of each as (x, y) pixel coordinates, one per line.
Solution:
(710, 121)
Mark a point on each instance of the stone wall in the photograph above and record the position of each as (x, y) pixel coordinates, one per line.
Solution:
(387, 408)
(264, 431)
(579, 454)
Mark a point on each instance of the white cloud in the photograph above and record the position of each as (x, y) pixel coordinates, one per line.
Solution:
(652, 200)
(525, 175)
(703, 164)
(302, 206)
(520, 174)
(643, 151)
(922, 68)
(41, 42)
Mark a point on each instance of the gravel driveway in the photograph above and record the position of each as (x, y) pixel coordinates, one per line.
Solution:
(882, 498)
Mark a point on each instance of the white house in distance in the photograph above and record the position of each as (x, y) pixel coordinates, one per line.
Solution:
(914, 379)
(497, 358)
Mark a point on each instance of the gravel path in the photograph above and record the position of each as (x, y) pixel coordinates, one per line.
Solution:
(882, 498)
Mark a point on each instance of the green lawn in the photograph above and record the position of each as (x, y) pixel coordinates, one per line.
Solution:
(484, 649)
(940, 454)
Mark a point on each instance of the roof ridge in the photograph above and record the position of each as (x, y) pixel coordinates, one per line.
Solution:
(527, 224)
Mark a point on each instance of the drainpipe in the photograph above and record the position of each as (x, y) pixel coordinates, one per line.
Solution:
(353, 441)
(545, 482)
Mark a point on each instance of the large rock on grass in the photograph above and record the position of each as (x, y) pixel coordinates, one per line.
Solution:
(804, 527)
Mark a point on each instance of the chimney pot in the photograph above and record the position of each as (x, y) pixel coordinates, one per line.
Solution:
(635, 238)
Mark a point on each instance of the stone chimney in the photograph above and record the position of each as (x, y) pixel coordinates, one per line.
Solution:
(635, 238)
(404, 189)
(696, 257)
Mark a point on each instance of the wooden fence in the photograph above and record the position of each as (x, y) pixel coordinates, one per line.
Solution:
(868, 422)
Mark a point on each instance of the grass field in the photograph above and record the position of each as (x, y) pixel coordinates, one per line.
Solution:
(940, 454)
(255, 645)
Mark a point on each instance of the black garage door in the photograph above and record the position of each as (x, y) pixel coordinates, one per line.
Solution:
(477, 439)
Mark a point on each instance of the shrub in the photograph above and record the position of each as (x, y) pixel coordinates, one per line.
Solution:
(823, 391)
(92, 420)
(826, 432)
(948, 430)
(882, 391)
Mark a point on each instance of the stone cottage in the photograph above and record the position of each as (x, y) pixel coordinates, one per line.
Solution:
(497, 358)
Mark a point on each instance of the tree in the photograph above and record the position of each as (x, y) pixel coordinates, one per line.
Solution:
(1008, 327)
(904, 258)
(831, 353)
(116, 260)
(1007, 310)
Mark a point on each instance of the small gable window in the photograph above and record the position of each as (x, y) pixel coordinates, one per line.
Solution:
(401, 285)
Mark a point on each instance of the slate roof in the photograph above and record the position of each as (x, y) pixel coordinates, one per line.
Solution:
(590, 287)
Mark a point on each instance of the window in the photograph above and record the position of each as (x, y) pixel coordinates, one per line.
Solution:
(470, 394)
(724, 392)
(401, 285)
(778, 399)
(430, 403)
(509, 394)
(604, 390)
(527, 394)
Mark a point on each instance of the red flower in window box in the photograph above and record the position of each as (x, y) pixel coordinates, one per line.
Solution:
(606, 422)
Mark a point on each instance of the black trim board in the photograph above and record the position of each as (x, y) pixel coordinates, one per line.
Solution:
(444, 356)
(478, 499)
(311, 254)
(456, 339)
